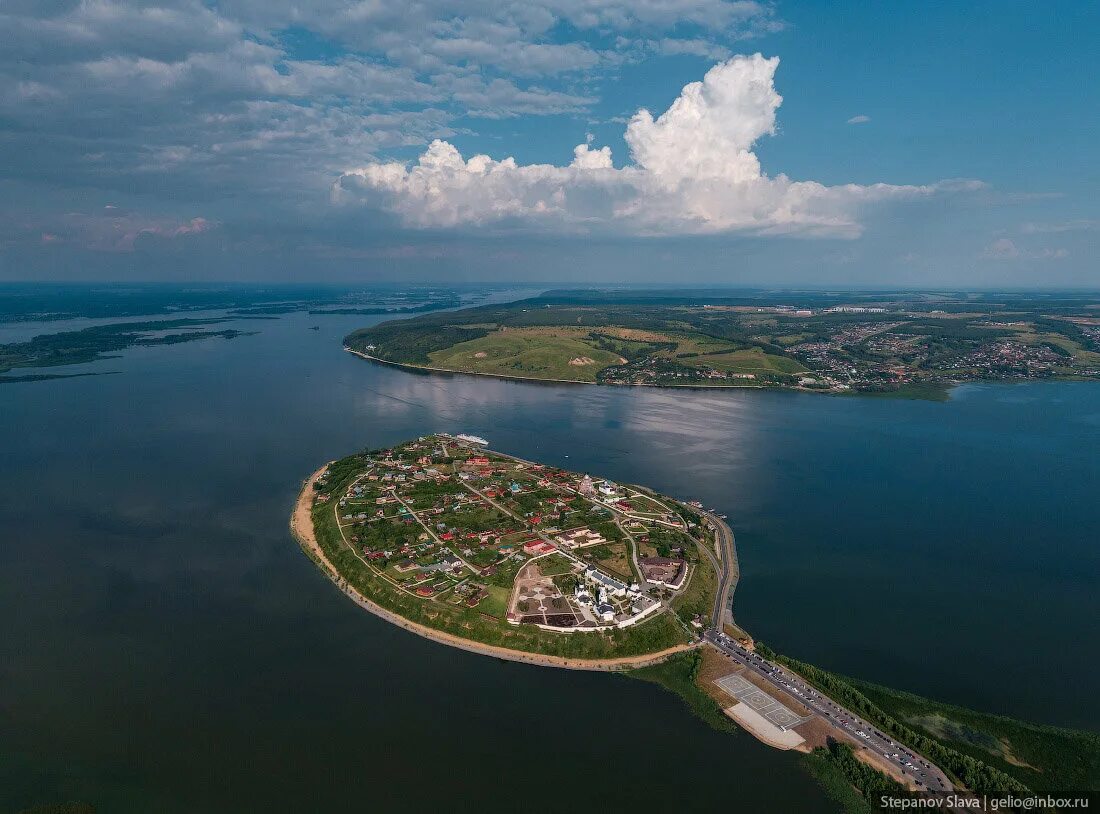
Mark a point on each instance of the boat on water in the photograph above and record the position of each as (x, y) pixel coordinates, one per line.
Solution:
(473, 439)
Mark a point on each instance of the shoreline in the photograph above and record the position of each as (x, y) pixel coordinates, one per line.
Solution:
(947, 386)
(301, 526)
(426, 369)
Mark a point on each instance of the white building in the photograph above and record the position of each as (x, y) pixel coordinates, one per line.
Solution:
(602, 580)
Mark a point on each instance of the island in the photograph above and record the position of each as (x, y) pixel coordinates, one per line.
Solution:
(905, 344)
(513, 558)
(518, 560)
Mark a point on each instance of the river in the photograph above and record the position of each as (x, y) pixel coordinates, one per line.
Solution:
(169, 648)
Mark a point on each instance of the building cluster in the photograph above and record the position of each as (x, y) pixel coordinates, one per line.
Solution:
(1011, 359)
(445, 521)
(854, 309)
(603, 598)
(579, 538)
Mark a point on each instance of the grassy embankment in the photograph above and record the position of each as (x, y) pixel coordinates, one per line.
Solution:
(678, 674)
(653, 635)
(989, 753)
(538, 353)
(911, 391)
(698, 596)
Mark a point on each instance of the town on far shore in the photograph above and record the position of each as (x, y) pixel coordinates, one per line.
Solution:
(911, 344)
(446, 521)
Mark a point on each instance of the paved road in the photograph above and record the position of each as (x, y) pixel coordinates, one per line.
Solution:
(927, 775)
(727, 569)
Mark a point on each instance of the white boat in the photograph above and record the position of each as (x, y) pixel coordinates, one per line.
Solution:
(473, 439)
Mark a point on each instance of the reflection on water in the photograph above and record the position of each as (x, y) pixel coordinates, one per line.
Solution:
(173, 650)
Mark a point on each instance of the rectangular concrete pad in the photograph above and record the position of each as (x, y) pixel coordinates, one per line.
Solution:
(764, 729)
(767, 709)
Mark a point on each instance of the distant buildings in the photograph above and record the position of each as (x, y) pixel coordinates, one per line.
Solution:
(578, 538)
(537, 548)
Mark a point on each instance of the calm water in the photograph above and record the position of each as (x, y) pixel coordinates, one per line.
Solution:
(167, 647)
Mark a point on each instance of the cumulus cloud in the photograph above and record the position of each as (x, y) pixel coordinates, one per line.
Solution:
(692, 171)
(1079, 225)
(111, 230)
(270, 100)
(1006, 249)
(1001, 249)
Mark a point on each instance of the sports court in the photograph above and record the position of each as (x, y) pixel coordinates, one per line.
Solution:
(748, 693)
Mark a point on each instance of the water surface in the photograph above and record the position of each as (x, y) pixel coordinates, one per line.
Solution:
(168, 648)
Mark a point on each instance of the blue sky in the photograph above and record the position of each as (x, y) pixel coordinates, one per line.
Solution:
(908, 144)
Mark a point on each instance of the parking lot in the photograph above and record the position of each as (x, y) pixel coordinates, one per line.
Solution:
(748, 693)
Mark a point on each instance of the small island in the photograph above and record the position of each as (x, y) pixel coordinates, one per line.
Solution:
(513, 558)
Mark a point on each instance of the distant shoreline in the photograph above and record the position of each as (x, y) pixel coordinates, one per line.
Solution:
(898, 394)
(301, 526)
(427, 369)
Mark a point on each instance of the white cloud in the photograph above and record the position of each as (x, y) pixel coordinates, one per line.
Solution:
(111, 232)
(1001, 249)
(1006, 249)
(693, 171)
(1080, 225)
(860, 119)
(272, 99)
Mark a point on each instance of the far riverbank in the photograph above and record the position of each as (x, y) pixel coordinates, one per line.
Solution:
(922, 392)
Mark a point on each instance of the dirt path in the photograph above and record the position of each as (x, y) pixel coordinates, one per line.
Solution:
(301, 525)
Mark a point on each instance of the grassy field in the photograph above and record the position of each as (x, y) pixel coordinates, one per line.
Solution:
(496, 603)
(751, 360)
(578, 354)
(618, 563)
(536, 353)
(698, 596)
(554, 565)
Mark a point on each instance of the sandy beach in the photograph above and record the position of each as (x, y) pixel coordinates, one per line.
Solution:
(301, 525)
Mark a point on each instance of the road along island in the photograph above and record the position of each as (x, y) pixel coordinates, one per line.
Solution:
(522, 561)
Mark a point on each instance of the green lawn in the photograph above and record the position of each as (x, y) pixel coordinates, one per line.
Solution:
(554, 565)
(496, 603)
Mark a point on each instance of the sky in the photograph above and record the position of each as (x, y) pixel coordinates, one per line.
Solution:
(729, 142)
